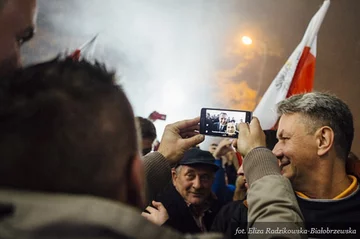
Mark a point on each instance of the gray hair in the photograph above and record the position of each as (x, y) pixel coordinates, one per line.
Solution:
(178, 169)
(323, 109)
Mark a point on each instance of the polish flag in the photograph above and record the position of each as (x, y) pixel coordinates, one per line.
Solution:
(296, 76)
(156, 116)
(85, 50)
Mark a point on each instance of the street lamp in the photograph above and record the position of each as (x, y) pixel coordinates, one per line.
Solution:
(246, 40)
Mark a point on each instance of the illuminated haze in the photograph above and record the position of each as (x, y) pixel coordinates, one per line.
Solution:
(177, 56)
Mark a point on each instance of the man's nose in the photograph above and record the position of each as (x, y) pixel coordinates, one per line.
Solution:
(277, 151)
(197, 183)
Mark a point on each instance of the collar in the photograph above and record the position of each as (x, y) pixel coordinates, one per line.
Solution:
(348, 191)
(199, 211)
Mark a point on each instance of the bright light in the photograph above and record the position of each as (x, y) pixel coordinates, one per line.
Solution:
(246, 40)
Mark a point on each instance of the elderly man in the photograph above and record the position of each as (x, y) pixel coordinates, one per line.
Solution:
(17, 24)
(188, 200)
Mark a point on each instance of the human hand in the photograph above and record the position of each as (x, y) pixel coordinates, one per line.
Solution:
(178, 138)
(250, 136)
(157, 215)
(241, 188)
(224, 147)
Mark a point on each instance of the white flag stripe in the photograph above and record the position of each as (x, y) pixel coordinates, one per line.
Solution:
(317, 21)
(279, 87)
(313, 47)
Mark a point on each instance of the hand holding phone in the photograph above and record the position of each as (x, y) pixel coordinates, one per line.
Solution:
(222, 122)
(251, 136)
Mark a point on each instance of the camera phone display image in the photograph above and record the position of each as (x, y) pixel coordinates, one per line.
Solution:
(222, 123)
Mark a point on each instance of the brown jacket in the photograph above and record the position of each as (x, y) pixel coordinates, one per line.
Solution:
(271, 199)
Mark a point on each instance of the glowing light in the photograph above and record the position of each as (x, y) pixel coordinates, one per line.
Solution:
(246, 40)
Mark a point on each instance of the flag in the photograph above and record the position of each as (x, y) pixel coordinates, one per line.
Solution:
(239, 158)
(296, 76)
(156, 116)
(85, 50)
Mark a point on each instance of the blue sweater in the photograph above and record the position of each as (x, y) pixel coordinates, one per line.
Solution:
(223, 192)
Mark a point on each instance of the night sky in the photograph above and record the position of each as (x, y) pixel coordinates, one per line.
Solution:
(179, 56)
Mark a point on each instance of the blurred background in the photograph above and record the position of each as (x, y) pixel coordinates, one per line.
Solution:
(176, 57)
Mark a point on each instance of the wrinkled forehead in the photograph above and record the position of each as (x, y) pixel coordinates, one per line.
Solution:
(18, 15)
(290, 122)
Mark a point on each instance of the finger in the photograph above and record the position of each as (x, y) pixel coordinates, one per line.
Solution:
(191, 128)
(151, 209)
(223, 142)
(158, 205)
(193, 141)
(185, 123)
(146, 215)
(188, 134)
(243, 130)
(256, 129)
(255, 126)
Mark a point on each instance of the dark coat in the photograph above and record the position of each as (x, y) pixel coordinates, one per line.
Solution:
(231, 217)
(180, 217)
(216, 125)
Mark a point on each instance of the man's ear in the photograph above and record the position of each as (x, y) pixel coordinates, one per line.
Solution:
(174, 176)
(324, 140)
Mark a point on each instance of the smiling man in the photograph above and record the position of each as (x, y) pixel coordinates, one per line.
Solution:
(315, 135)
(17, 24)
(189, 202)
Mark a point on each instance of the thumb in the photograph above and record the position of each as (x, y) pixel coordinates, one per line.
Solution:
(255, 125)
(194, 140)
(255, 122)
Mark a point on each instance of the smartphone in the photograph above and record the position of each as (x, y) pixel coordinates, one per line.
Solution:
(222, 122)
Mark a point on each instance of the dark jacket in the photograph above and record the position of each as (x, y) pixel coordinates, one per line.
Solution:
(180, 217)
(216, 127)
(232, 217)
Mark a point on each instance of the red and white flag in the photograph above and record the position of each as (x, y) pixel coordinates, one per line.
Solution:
(296, 76)
(85, 50)
(156, 116)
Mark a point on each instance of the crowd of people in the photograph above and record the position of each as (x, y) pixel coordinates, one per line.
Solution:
(76, 162)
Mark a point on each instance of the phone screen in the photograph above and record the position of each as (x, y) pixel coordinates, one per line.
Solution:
(222, 122)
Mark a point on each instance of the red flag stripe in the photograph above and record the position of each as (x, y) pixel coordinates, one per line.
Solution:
(303, 80)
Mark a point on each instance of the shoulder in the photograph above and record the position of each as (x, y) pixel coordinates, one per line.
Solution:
(233, 209)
